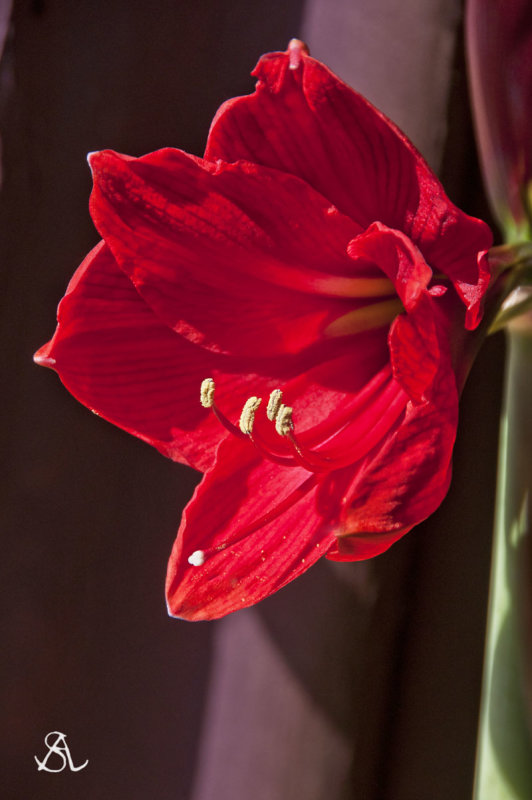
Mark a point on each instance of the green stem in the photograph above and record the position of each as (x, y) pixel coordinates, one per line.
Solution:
(504, 752)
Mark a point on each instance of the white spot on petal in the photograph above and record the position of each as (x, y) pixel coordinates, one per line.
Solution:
(197, 559)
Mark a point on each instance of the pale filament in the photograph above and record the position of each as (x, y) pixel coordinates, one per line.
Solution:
(207, 401)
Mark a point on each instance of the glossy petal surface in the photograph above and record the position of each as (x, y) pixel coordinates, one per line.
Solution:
(311, 124)
(211, 240)
(117, 357)
(406, 480)
(246, 556)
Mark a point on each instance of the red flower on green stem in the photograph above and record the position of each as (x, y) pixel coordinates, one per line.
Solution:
(311, 254)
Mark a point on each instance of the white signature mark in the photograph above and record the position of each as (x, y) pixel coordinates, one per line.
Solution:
(60, 748)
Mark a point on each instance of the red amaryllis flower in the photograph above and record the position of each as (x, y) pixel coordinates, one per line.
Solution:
(499, 47)
(311, 252)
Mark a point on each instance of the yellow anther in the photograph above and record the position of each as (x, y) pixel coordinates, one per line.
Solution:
(274, 404)
(283, 420)
(247, 417)
(207, 393)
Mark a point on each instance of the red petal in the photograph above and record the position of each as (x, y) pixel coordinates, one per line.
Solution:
(360, 546)
(244, 561)
(415, 351)
(327, 396)
(397, 256)
(115, 356)
(413, 340)
(407, 480)
(220, 251)
(308, 122)
(455, 245)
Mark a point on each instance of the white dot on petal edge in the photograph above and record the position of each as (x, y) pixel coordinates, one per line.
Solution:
(197, 558)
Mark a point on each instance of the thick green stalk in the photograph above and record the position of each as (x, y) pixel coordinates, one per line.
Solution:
(504, 753)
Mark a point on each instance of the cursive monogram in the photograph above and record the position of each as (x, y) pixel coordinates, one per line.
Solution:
(60, 748)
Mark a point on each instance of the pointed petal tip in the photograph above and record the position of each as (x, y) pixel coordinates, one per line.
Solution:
(94, 159)
(181, 610)
(43, 359)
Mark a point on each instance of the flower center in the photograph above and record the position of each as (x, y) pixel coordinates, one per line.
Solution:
(338, 441)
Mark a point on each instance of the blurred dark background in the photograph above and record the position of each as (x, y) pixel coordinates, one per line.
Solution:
(358, 681)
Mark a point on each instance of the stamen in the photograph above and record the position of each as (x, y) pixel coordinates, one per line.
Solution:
(283, 420)
(366, 318)
(310, 460)
(267, 452)
(274, 404)
(207, 393)
(339, 443)
(207, 401)
(246, 422)
(332, 285)
(247, 417)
